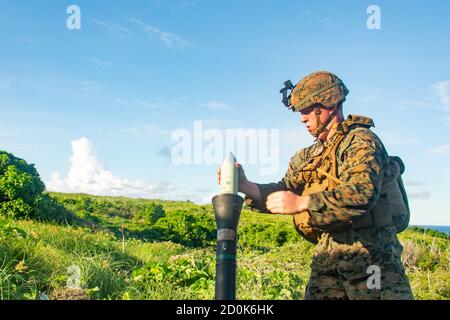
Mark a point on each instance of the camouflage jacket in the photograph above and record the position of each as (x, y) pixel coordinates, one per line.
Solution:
(360, 160)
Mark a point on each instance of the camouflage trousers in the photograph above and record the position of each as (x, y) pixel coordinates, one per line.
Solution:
(358, 265)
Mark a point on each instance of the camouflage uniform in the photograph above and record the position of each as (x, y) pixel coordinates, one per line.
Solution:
(344, 253)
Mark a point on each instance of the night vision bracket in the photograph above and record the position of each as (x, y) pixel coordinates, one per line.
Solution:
(287, 96)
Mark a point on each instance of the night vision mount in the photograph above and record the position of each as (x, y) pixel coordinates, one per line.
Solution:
(287, 96)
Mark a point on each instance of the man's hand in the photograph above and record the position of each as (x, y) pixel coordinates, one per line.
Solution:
(242, 179)
(286, 202)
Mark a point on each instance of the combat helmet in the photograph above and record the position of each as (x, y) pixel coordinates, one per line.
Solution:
(321, 88)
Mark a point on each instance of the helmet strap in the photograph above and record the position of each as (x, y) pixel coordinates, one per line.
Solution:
(322, 126)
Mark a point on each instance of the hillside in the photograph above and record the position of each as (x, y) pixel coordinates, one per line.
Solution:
(149, 249)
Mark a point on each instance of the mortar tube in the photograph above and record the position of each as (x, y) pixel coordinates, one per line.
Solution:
(227, 210)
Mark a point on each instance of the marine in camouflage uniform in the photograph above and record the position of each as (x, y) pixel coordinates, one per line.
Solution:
(343, 178)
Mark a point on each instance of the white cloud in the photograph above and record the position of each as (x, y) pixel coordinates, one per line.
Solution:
(87, 175)
(27, 40)
(56, 183)
(412, 183)
(8, 133)
(368, 99)
(99, 62)
(216, 106)
(441, 150)
(146, 131)
(446, 172)
(176, 4)
(138, 103)
(90, 88)
(171, 40)
(419, 195)
(441, 89)
(5, 84)
(186, 4)
(436, 98)
(326, 22)
(221, 124)
(394, 138)
(115, 29)
(448, 122)
(414, 104)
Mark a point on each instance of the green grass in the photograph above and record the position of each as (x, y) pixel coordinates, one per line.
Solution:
(145, 249)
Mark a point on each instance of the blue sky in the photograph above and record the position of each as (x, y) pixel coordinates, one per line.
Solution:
(98, 105)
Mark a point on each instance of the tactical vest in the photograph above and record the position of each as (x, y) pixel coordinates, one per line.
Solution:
(320, 173)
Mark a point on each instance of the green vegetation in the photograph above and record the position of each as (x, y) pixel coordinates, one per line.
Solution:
(145, 249)
(150, 249)
(20, 187)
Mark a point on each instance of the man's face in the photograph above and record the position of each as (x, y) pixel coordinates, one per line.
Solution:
(309, 118)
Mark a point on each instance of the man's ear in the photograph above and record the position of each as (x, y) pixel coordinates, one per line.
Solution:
(339, 105)
(331, 110)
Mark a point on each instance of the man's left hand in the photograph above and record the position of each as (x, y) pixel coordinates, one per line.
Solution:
(286, 202)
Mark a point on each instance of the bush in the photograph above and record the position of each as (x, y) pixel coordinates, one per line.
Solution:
(433, 233)
(152, 213)
(11, 231)
(263, 236)
(21, 187)
(191, 274)
(189, 229)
